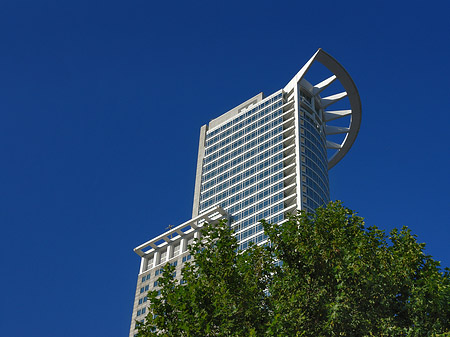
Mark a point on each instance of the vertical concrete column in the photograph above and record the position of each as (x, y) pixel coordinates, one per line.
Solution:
(150, 261)
(174, 247)
(183, 245)
(298, 163)
(198, 174)
(156, 258)
(143, 265)
(169, 252)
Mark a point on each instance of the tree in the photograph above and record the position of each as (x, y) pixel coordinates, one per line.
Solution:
(223, 294)
(324, 274)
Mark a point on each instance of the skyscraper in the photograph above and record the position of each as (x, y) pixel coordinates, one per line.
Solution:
(265, 158)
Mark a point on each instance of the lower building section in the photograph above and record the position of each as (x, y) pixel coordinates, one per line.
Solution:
(170, 247)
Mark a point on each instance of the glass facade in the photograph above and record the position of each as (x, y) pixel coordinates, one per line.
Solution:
(314, 163)
(250, 164)
(251, 167)
(243, 168)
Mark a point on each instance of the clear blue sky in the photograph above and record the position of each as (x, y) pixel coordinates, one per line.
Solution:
(100, 108)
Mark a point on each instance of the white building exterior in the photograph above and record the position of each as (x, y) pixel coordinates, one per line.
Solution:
(169, 247)
(267, 157)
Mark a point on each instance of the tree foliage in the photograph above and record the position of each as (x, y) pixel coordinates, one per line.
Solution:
(324, 274)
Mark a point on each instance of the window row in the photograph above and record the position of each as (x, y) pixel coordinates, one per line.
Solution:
(319, 152)
(141, 311)
(311, 141)
(255, 218)
(243, 147)
(255, 208)
(144, 289)
(256, 127)
(312, 154)
(147, 277)
(311, 194)
(315, 168)
(316, 159)
(155, 284)
(164, 257)
(235, 179)
(319, 145)
(142, 300)
(306, 95)
(309, 204)
(313, 175)
(239, 186)
(265, 132)
(234, 166)
(243, 166)
(233, 198)
(261, 237)
(211, 135)
(254, 198)
(314, 116)
(159, 271)
(309, 125)
(244, 156)
(219, 133)
(315, 108)
(315, 126)
(257, 239)
(307, 181)
(249, 232)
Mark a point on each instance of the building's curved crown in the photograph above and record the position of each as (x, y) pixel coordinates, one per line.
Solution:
(340, 74)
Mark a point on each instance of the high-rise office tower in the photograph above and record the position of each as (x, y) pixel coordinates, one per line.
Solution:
(267, 157)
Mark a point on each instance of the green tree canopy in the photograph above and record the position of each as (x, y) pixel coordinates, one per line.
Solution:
(324, 274)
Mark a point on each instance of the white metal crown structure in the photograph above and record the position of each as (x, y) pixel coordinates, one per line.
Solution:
(340, 74)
